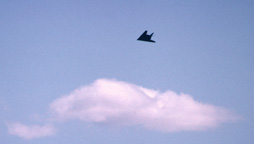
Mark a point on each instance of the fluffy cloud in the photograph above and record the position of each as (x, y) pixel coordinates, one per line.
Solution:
(30, 132)
(116, 102)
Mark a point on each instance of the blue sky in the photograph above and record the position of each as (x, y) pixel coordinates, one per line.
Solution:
(86, 51)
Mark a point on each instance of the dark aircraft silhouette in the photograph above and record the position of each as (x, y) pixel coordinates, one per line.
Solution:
(145, 37)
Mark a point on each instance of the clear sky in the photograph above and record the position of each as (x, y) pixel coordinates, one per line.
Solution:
(73, 72)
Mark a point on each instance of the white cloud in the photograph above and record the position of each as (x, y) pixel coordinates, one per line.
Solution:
(30, 132)
(116, 102)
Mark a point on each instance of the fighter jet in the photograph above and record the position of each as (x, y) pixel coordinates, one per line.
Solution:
(145, 37)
